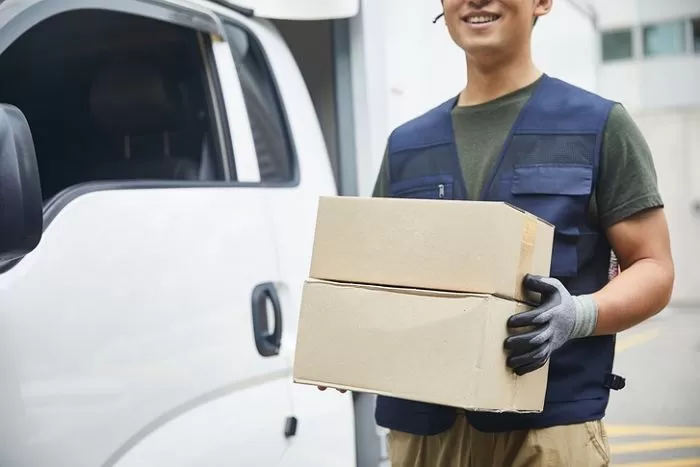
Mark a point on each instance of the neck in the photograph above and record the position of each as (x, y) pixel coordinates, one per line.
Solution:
(496, 78)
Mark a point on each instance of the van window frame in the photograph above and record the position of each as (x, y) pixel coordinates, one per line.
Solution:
(25, 14)
(295, 179)
(202, 21)
(17, 20)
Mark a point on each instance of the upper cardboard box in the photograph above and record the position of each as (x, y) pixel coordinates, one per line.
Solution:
(462, 246)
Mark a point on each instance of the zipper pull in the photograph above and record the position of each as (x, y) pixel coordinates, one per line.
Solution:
(441, 191)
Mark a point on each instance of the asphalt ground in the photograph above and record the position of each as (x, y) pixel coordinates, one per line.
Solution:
(655, 419)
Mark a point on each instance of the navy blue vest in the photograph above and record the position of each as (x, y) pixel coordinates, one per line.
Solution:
(549, 167)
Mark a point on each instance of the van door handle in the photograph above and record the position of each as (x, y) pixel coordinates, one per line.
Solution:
(267, 342)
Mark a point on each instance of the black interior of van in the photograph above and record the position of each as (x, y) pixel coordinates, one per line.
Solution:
(111, 96)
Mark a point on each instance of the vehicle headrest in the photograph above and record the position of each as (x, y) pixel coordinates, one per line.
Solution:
(131, 97)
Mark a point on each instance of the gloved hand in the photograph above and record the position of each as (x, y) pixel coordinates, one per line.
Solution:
(559, 318)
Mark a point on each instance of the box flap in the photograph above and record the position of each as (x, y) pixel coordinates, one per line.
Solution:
(398, 290)
(529, 214)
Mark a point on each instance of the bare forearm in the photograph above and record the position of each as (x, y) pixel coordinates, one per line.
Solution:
(638, 293)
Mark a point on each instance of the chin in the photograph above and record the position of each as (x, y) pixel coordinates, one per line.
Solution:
(477, 48)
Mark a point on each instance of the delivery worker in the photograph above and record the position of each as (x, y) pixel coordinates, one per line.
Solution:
(575, 159)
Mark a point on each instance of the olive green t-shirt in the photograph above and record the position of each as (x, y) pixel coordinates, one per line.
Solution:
(627, 183)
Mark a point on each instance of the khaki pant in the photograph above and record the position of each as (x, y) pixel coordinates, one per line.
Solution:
(584, 445)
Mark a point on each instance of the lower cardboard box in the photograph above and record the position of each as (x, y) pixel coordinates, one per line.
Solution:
(423, 345)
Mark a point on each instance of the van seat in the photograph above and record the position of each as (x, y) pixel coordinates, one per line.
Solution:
(154, 135)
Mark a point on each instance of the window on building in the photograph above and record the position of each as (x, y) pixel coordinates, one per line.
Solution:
(617, 45)
(665, 38)
(696, 35)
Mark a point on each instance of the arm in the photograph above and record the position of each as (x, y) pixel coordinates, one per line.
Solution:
(628, 207)
(642, 289)
(644, 286)
(630, 210)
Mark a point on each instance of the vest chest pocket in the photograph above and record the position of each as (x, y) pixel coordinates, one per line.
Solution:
(559, 194)
(429, 187)
(556, 193)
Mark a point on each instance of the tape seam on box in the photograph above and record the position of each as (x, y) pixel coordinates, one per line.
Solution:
(527, 251)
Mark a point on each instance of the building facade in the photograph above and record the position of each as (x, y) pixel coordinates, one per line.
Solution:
(649, 60)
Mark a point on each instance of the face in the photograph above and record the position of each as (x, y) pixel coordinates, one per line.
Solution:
(495, 27)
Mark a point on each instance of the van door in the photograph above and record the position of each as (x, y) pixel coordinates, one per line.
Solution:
(145, 329)
(137, 335)
(294, 169)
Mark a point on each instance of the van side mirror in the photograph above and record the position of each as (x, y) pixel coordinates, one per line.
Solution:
(21, 206)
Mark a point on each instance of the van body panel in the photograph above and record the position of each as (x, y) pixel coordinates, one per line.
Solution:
(326, 419)
(299, 9)
(135, 311)
(127, 337)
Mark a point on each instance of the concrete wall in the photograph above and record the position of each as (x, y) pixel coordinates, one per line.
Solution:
(663, 95)
(565, 45)
(674, 138)
(368, 53)
(656, 83)
(644, 83)
(654, 10)
(622, 13)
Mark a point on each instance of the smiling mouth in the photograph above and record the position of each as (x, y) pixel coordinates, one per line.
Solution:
(481, 19)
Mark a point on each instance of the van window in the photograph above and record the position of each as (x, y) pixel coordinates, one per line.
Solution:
(265, 111)
(113, 96)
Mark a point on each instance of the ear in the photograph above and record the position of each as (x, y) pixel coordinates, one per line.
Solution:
(542, 7)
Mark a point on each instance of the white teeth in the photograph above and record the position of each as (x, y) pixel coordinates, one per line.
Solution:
(482, 19)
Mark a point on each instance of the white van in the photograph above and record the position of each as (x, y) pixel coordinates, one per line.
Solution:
(155, 232)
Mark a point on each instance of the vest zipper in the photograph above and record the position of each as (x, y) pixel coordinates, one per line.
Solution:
(441, 191)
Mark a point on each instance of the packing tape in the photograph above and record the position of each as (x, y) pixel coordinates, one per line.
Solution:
(527, 251)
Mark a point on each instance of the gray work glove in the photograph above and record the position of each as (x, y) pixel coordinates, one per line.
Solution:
(559, 318)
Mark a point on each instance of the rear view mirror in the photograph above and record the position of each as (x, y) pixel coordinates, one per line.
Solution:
(21, 216)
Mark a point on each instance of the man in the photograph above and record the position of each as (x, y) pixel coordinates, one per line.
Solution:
(575, 159)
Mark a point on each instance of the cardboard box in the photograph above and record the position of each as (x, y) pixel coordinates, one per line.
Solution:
(462, 246)
(409, 298)
(430, 346)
